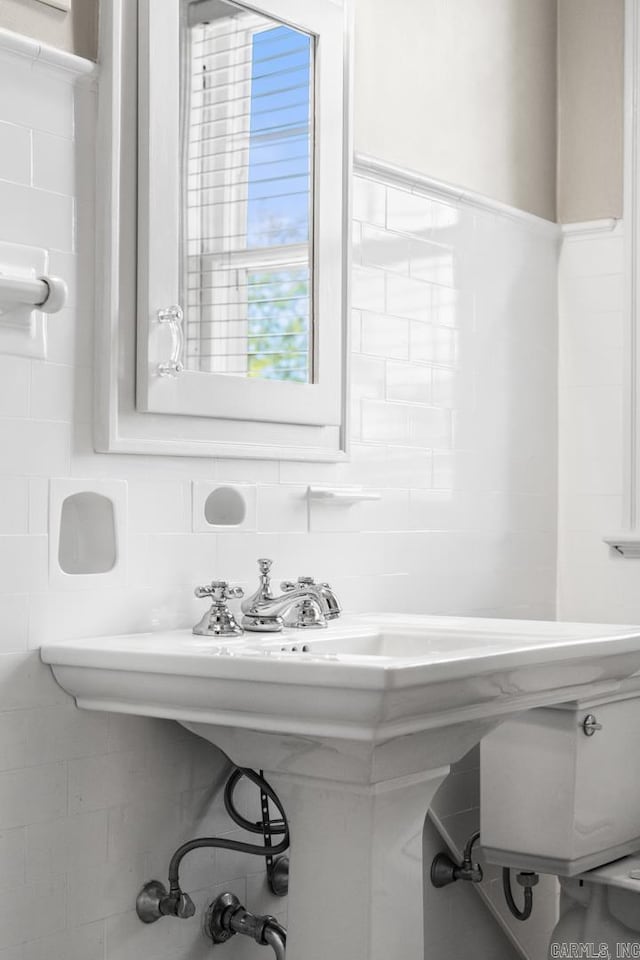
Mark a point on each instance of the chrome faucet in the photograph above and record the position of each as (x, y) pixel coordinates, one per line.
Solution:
(301, 604)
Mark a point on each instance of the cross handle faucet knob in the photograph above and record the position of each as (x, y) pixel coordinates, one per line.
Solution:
(288, 585)
(218, 621)
(219, 591)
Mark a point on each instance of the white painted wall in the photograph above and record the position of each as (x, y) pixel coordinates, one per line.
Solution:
(75, 30)
(590, 109)
(472, 93)
(463, 91)
(453, 394)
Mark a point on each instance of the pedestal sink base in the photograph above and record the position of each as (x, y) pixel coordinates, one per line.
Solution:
(356, 812)
(356, 877)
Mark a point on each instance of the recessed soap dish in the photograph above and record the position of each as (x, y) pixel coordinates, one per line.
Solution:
(88, 541)
(87, 527)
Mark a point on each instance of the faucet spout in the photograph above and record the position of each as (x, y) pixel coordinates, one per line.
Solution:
(257, 608)
(300, 605)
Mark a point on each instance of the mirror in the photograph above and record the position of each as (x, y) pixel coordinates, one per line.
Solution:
(247, 146)
(224, 228)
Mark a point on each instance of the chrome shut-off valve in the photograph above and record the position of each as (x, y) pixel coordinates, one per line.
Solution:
(218, 621)
(445, 871)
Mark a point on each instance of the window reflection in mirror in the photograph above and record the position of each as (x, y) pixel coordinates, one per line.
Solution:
(247, 134)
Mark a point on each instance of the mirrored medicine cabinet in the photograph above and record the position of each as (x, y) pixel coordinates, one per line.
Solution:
(223, 228)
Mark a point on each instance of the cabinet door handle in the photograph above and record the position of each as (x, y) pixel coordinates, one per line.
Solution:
(173, 316)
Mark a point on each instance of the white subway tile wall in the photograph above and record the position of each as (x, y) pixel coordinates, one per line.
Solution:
(453, 413)
(593, 582)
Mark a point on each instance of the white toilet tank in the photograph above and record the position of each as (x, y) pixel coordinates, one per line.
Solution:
(558, 801)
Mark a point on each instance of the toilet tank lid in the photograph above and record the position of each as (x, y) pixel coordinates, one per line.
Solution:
(624, 873)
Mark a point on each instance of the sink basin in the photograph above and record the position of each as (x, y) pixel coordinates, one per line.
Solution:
(355, 726)
(430, 640)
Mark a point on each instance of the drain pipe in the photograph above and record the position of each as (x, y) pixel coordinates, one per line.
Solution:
(227, 917)
(275, 936)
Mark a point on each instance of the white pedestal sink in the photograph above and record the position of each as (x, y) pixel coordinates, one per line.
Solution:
(355, 728)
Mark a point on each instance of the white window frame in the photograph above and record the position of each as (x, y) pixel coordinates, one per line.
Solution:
(238, 428)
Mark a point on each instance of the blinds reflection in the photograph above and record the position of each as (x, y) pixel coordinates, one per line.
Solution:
(247, 149)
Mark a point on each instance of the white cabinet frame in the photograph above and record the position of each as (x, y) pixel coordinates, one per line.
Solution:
(119, 425)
